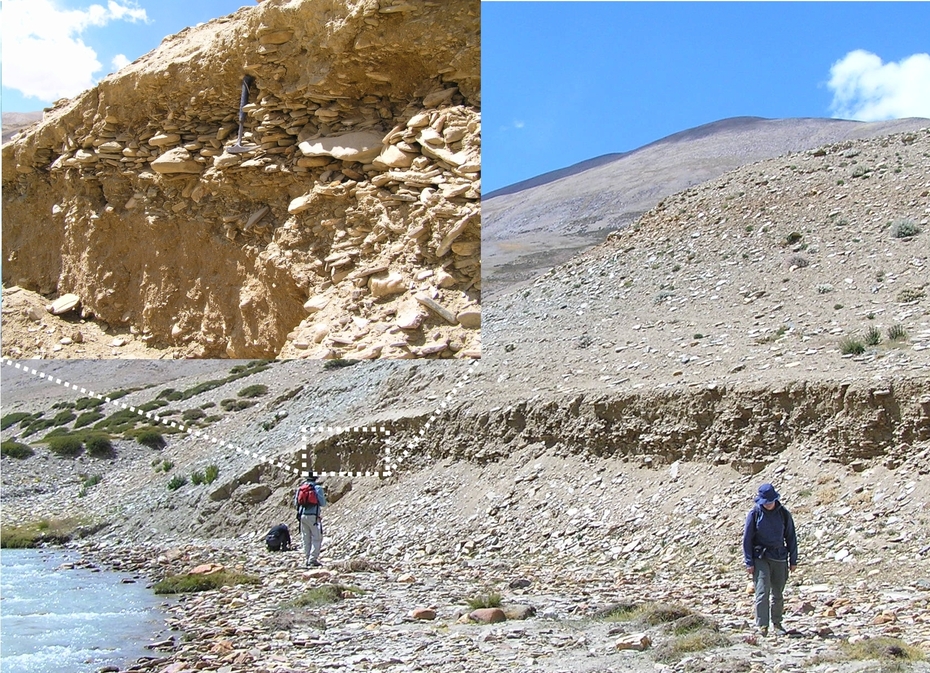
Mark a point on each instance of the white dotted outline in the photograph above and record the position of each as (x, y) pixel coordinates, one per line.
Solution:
(306, 431)
(390, 467)
(153, 416)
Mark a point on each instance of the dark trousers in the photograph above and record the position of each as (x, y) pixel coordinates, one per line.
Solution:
(770, 578)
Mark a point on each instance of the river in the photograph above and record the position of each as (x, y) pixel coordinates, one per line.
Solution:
(71, 621)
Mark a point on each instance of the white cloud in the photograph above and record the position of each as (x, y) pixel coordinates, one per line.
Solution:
(44, 56)
(518, 124)
(866, 89)
(119, 61)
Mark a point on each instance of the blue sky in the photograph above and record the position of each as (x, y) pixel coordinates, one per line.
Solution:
(567, 81)
(57, 48)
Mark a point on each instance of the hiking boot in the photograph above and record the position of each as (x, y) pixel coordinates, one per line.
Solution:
(314, 564)
(780, 630)
(763, 630)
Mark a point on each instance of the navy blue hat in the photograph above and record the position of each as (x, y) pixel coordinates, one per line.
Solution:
(767, 494)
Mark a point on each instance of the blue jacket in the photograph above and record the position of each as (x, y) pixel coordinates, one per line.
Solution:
(771, 535)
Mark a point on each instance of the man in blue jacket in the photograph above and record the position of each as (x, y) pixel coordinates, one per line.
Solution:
(770, 550)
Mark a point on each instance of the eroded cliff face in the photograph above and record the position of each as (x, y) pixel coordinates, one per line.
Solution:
(351, 228)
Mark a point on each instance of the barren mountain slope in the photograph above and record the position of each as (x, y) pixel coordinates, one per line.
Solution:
(542, 222)
(350, 228)
(13, 122)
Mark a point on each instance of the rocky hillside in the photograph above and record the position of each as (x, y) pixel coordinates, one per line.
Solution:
(349, 228)
(14, 122)
(542, 222)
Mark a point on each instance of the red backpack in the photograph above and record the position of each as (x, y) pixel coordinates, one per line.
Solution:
(306, 496)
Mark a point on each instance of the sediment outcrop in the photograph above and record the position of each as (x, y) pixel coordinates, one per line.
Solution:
(350, 227)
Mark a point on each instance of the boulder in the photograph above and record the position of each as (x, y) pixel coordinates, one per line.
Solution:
(177, 160)
(361, 146)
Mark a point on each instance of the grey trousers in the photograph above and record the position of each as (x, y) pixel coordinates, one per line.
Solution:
(311, 536)
(770, 578)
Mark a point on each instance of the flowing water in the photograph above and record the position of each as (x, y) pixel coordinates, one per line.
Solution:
(56, 620)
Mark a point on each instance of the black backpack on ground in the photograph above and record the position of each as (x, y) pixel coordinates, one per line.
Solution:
(278, 538)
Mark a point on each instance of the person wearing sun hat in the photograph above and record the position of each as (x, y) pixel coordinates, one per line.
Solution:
(770, 551)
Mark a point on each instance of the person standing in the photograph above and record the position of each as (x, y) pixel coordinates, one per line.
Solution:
(309, 499)
(770, 551)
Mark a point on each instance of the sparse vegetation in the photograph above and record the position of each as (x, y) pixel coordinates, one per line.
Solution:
(851, 346)
(873, 336)
(798, 262)
(897, 333)
(176, 482)
(256, 390)
(207, 476)
(908, 295)
(696, 641)
(151, 438)
(162, 465)
(489, 600)
(323, 595)
(904, 228)
(13, 449)
(339, 362)
(178, 584)
(83, 403)
(793, 238)
(193, 415)
(235, 405)
(170, 394)
(99, 445)
(824, 288)
(65, 446)
(87, 418)
(12, 419)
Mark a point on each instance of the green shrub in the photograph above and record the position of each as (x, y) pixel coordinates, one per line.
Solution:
(152, 405)
(83, 403)
(193, 415)
(164, 466)
(65, 446)
(211, 473)
(256, 390)
(12, 418)
(339, 362)
(851, 346)
(208, 405)
(489, 600)
(121, 393)
(119, 422)
(235, 405)
(150, 437)
(201, 388)
(873, 336)
(99, 446)
(323, 595)
(904, 228)
(14, 449)
(37, 426)
(176, 482)
(793, 238)
(213, 419)
(87, 418)
(170, 394)
(197, 478)
(177, 584)
(897, 333)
